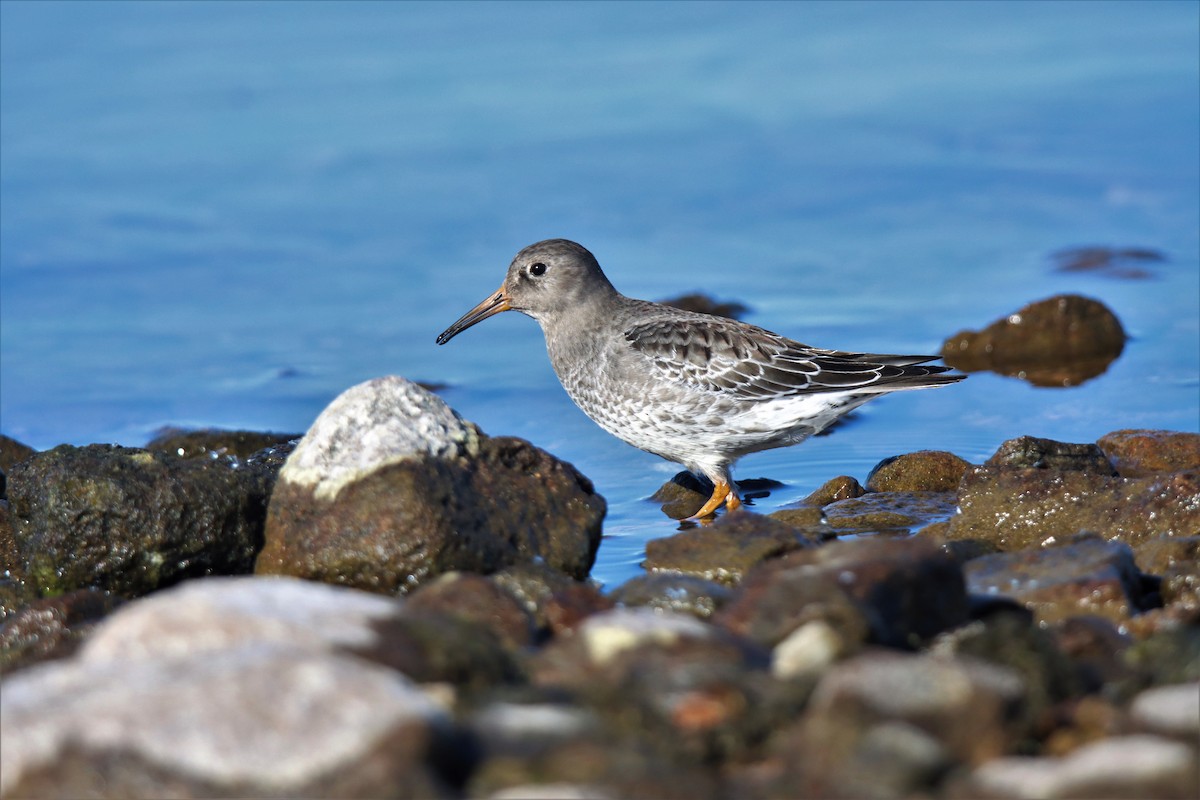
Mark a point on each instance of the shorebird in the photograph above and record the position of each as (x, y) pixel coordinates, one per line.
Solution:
(698, 390)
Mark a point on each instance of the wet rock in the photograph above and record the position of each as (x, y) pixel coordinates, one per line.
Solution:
(556, 602)
(1170, 711)
(685, 494)
(809, 520)
(1017, 508)
(840, 488)
(390, 488)
(923, 471)
(1086, 575)
(1138, 453)
(1096, 648)
(51, 628)
(704, 304)
(899, 592)
(1113, 262)
(725, 550)
(480, 600)
(214, 443)
(266, 720)
(1110, 769)
(909, 716)
(1030, 452)
(684, 594)
(883, 512)
(1176, 562)
(1061, 341)
(131, 521)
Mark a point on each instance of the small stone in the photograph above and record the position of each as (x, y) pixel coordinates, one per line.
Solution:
(923, 471)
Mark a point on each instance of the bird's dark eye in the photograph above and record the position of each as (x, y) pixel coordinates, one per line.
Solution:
(537, 269)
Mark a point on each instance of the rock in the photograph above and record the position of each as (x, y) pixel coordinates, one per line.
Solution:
(1164, 658)
(724, 550)
(809, 520)
(1114, 262)
(12, 453)
(1138, 453)
(1017, 508)
(967, 707)
(1170, 711)
(213, 443)
(834, 489)
(391, 488)
(131, 521)
(685, 594)
(1061, 341)
(556, 602)
(923, 471)
(265, 720)
(480, 600)
(685, 494)
(1086, 575)
(898, 592)
(1030, 452)
(704, 304)
(51, 628)
(1110, 769)
(883, 512)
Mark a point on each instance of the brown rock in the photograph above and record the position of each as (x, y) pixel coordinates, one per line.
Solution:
(888, 511)
(834, 489)
(923, 471)
(1061, 341)
(1030, 452)
(1138, 453)
(391, 488)
(1018, 508)
(725, 550)
(51, 628)
(476, 599)
(1084, 576)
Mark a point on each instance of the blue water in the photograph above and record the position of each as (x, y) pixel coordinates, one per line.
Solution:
(224, 214)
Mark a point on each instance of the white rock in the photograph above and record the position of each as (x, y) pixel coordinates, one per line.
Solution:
(808, 650)
(372, 425)
(608, 635)
(1172, 710)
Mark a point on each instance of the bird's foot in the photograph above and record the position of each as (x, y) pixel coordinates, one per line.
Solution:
(722, 493)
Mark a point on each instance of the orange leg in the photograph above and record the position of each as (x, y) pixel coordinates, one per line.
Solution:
(722, 492)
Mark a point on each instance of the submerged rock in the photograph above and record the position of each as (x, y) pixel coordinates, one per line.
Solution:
(1061, 341)
(390, 488)
(724, 550)
(214, 443)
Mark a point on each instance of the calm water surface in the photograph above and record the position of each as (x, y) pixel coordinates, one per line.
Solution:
(224, 214)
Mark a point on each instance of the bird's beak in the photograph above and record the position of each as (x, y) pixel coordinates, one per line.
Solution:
(490, 307)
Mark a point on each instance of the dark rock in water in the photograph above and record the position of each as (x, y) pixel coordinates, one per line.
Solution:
(888, 512)
(1030, 452)
(685, 494)
(923, 471)
(1013, 508)
(1061, 341)
(1138, 453)
(842, 487)
(51, 628)
(390, 488)
(1113, 262)
(213, 443)
(724, 550)
(1085, 575)
(685, 594)
(704, 304)
(898, 592)
(131, 521)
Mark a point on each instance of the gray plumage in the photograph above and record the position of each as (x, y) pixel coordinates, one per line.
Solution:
(698, 390)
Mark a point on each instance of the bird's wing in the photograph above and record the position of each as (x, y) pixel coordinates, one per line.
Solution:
(732, 358)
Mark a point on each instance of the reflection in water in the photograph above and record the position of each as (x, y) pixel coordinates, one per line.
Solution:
(1058, 342)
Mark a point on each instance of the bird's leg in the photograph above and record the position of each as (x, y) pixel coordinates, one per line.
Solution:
(723, 491)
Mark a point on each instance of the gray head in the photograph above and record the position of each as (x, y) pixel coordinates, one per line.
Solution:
(543, 280)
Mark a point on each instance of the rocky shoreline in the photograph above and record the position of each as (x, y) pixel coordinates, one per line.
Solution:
(397, 605)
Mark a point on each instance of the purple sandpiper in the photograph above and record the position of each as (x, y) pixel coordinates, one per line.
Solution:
(698, 390)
